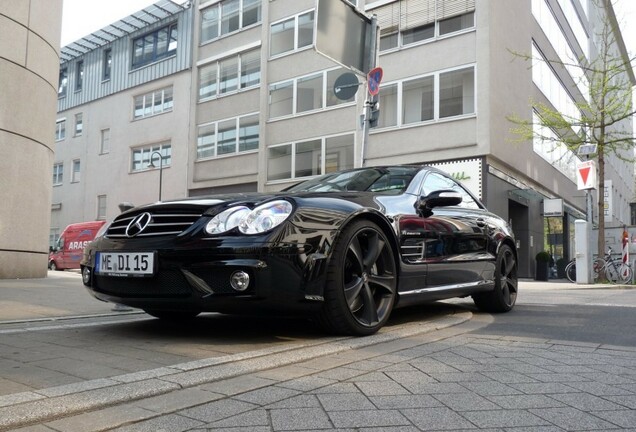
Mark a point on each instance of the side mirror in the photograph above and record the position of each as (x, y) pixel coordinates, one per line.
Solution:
(440, 198)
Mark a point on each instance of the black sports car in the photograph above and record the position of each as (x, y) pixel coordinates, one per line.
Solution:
(346, 248)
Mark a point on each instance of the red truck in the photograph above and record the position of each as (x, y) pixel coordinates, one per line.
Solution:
(68, 250)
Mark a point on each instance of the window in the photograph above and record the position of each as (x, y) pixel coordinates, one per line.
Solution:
(229, 16)
(75, 175)
(223, 76)
(388, 105)
(456, 23)
(107, 64)
(101, 207)
(429, 98)
(251, 12)
(406, 22)
(230, 136)
(153, 103)
(248, 133)
(105, 142)
(154, 46)
(79, 125)
(281, 99)
(418, 34)
(309, 158)
(79, 75)
(60, 130)
(58, 174)
(141, 156)
(308, 93)
(457, 93)
(292, 34)
(417, 100)
(250, 68)
(228, 75)
(63, 82)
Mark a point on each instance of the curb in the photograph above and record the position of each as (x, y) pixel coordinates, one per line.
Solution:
(21, 409)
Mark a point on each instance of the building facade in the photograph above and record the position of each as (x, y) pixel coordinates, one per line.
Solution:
(251, 107)
(29, 59)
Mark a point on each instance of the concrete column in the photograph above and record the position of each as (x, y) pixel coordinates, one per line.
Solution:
(29, 67)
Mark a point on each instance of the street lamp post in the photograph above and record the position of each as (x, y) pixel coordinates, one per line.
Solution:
(152, 165)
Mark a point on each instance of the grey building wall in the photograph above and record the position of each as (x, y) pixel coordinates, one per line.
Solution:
(514, 178)
(29, 58)
(110, 105)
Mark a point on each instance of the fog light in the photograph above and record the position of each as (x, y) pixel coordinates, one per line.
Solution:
(86, 276)
(240, 280)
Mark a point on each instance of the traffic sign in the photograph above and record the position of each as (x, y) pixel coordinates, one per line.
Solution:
(346, 86)
(586, 175)
(374, 78)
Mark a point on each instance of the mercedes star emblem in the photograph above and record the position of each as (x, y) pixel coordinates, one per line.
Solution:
(138, 224)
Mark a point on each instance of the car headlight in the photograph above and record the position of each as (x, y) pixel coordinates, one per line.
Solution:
(265, 217)
(226, 220)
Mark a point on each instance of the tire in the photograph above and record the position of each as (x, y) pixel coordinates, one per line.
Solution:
(625, 274)
(169, 315)
(53, 266)
(504, 296)
(570, 271)
(612, 272)
(361, 285)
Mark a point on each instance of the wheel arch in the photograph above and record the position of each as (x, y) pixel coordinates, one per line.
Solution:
(381, 221)
(508, 241)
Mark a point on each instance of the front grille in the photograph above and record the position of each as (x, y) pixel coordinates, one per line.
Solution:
(169, 283)
(162, 223)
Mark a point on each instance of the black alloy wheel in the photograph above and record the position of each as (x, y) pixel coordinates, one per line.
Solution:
(504, 296)
(361, 281)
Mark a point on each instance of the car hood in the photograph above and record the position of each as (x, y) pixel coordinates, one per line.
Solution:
(211, 203)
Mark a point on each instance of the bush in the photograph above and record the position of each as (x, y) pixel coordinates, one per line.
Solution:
(542, 256)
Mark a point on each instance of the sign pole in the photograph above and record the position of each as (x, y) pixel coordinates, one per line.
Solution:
(368, 103)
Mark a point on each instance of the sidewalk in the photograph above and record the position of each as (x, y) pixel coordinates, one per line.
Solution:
(422, 374)
(59, 295)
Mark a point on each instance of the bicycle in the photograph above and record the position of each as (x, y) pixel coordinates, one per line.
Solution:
(616, 271)
(598, 266)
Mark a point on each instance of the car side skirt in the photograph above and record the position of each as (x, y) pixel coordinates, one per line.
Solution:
(421, 295)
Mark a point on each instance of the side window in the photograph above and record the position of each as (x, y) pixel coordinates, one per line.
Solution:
(435, 181)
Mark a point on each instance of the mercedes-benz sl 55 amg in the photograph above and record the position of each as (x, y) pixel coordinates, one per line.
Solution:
(345, 248)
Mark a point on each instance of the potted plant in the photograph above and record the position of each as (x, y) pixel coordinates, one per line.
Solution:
(543, 265)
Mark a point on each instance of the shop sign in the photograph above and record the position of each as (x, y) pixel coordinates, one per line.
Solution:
(553, 207)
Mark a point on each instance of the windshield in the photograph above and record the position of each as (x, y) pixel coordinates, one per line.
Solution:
(390, 181)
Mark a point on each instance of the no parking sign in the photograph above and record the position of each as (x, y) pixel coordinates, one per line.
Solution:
(374, 78)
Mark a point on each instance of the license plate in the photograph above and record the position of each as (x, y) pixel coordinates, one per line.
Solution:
(125, 263)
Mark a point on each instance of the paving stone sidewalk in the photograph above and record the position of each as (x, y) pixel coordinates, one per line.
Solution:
(447, 380)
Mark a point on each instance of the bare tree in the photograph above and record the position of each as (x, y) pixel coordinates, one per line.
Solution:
(601, 116)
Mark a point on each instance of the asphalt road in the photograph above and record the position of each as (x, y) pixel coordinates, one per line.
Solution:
(589, 315)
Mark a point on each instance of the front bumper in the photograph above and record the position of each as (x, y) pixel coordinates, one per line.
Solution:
(282, 277)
